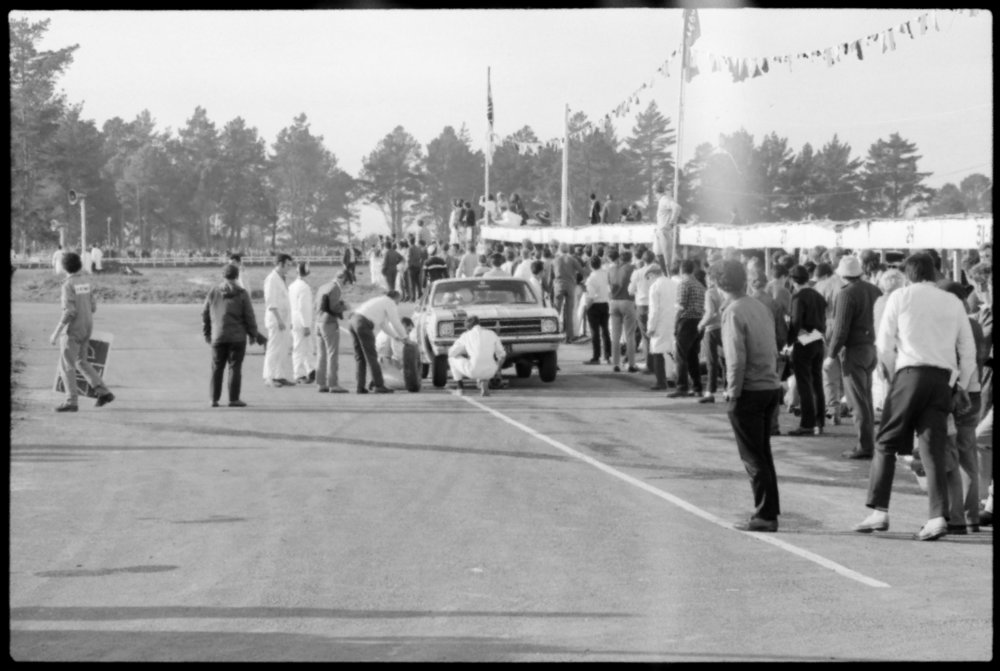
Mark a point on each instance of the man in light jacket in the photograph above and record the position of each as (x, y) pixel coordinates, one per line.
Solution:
(301, 298)
(278, 321)
(477, 354)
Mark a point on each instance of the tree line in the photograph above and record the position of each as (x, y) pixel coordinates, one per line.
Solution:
(210, 186)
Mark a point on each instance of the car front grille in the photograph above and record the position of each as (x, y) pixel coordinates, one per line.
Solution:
(506, 327)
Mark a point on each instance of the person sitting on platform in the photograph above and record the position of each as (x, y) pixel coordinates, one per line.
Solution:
(477, 354)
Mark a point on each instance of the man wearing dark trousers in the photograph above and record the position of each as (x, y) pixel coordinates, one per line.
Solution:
(852, 342)
(691, 299)
(374, 315)
(754, 389)
(926, 347)
(807, 324)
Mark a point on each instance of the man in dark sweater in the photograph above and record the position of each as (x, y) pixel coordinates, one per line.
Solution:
(687, 343)
(808, 321)
(852, 341)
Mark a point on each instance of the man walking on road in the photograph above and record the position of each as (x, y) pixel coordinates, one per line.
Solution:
(277, 320)
(852, 341)
(926, 345)
(754, 389)
(328, 308)
(301, 299)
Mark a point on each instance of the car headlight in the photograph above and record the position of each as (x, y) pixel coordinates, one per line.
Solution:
(550, 325)
(446, 329)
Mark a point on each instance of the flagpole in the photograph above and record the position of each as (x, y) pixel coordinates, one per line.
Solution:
(565, 169)
(489, 150)
(672, 242)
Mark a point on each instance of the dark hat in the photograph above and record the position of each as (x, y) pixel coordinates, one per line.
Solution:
(799, 274)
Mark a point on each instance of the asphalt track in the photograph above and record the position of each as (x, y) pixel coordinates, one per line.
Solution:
(584, 520)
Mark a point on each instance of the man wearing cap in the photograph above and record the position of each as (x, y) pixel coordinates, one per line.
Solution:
(852, 341)
(477, 354)
(328, 307)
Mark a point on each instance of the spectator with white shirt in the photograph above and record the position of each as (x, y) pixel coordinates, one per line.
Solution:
(278, 320)
(477, 355)
(97, 258)
(639, 287)
(926, 345)
(597, 299)
(374, 315)
(535, 280)
(301, 298)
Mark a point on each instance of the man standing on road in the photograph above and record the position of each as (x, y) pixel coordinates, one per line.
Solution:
(97, 258)
(639, 287)
(467, 264)
(753, 387)
(690, 309)
(667, 212)
(622, 308)
(565, 268)
(73, 335)
(369, 318)
(852, 341)
(328, 308)
(662, 311)
(390, 264)
(926, 345)
(301, 299)
(828, 284)
(477, 354)
(277, 320)
(805, 335)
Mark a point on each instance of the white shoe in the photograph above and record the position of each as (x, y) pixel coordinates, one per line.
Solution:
(877, 521)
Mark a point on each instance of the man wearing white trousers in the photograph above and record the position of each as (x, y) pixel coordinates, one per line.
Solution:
(278, 320)
(303, 341)
(477, 354)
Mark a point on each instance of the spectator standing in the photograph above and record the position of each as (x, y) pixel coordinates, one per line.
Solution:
(667, 212)
(350, 261)
(828, 284)
(639, 287)
(710, 328)
(537, 273)
(467, 264)
(57, 258)
(415, 265)
(277, 319)
(981, 277)
(805, 336)
(690, 309)
(469, 223)
(595, 209)
(565, 269)
(661, 328)
(623, 313)
(889, 281)
(97, 258)
(73, 335)
(852, 343)
(753, 389)
(228, 321)
(597, 298)
(435, 267)
(390, 265)
(611, 213)
(300, 297)
(935, 351)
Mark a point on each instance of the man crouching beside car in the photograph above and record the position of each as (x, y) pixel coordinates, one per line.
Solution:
(477, 354)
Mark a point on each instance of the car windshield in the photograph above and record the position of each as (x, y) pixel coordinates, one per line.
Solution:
(482, 291)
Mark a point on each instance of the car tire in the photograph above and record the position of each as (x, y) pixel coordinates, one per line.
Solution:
(440, 377)
(522, 368)
(547, 366)
(411, 366)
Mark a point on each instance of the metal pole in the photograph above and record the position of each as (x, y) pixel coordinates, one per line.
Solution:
(565, 169)
(489, 157)
(83, 234)
(668, 256)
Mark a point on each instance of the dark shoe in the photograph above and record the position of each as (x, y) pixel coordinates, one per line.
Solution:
(708, 398)
(215, 404)
(657, 387)
(361, 391)
(985, 518)
(803, 431)
(617, 369)
(591, 362)
(312, 376)
(758, 524)
(873, 522)
(302, 380)
(66, 407)
(633, 369)
(972, 528)
(237, 404)
(957, 530)
(337, 390)
(679, 394)
(285, 383)
(323, 390)
(383, 390)
(930, 532)
(104, 399)
(856, 454)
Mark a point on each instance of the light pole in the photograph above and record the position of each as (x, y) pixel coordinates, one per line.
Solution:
(74, 197)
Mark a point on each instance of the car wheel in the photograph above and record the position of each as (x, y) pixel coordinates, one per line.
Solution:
(440, 371)
(547, 366)
(522, 368)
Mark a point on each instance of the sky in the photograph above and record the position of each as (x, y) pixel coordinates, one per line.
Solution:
(357, 74)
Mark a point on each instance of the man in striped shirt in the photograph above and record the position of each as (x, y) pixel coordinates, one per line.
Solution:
(690, 309)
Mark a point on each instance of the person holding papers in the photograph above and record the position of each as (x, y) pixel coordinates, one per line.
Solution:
(806, 338)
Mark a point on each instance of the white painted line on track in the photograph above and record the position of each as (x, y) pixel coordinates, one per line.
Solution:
(680, 503)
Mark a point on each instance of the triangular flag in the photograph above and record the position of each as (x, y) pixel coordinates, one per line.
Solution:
(857, 47)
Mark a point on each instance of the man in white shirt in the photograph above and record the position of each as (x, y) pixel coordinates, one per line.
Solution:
(926, 347)
(496, 267)
(667, 212)
(57, 260)
(277, 318)
(477, 354)
(523, 269)
(301, 298)
(639, 287)
(369, 318)
(96, 257)
(535, 280)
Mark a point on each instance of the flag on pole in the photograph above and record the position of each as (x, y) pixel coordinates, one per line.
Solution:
(692, 31)
(489, 118)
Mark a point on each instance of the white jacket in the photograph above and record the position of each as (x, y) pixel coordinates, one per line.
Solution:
(662, 311)
(300, 295)
(276, 296)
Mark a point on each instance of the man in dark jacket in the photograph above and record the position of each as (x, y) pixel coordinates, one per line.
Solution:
(595, 209)
(853, 342)
(390, 264)
(805, 332)
(228, 320)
